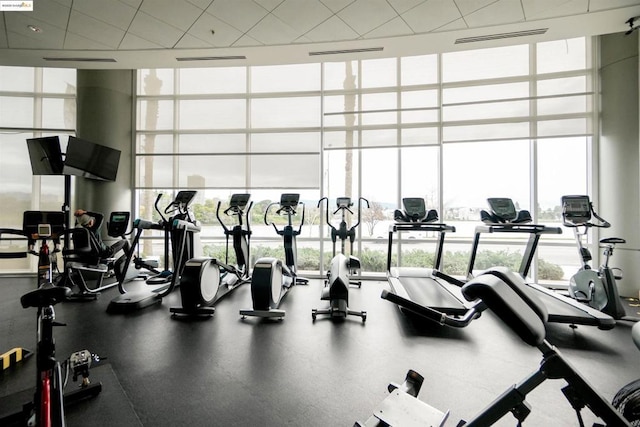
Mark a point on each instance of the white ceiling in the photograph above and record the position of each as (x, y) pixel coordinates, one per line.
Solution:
(156, 33)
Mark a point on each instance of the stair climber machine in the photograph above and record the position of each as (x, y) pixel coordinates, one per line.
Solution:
(179, 229)
(342, 268)
(271, 279)
(595, 288)
(503, 217)
(206, 280)
(426, 292)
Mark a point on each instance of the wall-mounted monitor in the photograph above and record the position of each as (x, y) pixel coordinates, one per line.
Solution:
(45, 155)
(91, 160)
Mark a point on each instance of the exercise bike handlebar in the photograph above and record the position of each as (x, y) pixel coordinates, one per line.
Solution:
(602, 223)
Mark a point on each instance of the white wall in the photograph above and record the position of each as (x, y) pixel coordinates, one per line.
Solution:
(619, 153)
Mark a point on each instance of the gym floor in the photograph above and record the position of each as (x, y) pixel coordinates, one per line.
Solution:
(159, 371)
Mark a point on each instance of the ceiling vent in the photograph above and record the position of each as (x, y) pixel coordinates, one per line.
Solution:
(210, 58)
(499, 36)
(339, 52)
(65, 59)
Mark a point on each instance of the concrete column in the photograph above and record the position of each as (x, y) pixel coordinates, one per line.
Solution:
(619, 153)
(105, 116)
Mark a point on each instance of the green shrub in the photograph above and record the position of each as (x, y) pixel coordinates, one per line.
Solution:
(454, 263)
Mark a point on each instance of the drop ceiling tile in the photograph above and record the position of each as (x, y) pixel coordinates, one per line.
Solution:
(154, 30)
(458, 24)
(500, 12)
(74, 41)
(224, 34)
(133, 42)
(469, 6)
(20, 36)
(97, 31)
(431, 16)
(65, 3)
(269, 4)
(50, 12)
(201, 4)
(302, 15)
(133, 3)
(241, 14)
(190, 42)
(336, 5)
(596, 5)
(271, 30)
(540, 9)
(333, 29)
(177, 13)
(3, 35)
(393, 28)
(401, 6)
(24, 40)
(365, 15)
(246, 41)
(114, 13)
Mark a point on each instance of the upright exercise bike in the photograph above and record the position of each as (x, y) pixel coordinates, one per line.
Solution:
(342, 269)
(271, 279)
(597, 289)
(206, 280)
(48, 405)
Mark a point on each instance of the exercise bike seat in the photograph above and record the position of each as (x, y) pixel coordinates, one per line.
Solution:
(524, 313)
(613, 241)
(45, 296)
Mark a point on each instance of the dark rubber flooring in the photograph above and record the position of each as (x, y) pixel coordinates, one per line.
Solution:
(225, 371)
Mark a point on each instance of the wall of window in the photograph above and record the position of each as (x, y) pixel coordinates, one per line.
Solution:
(453, 128)
(34, 102)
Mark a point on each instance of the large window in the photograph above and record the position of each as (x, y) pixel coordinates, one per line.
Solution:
(453, 128)
(34, 102)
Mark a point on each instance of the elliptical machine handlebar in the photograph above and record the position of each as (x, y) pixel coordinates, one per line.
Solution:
(238, 211)
(360, 199)
(290, 211)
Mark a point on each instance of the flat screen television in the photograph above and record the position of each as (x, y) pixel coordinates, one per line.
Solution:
(91, 160)
(45, 155)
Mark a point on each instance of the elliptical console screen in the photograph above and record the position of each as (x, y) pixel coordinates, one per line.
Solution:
(343, 202)
(289, 200)
(414, 207)
(503, 207)
(185, 197)
(576, 209)
(239, 200)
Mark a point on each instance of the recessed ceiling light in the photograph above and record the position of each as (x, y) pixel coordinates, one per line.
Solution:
(34, 28)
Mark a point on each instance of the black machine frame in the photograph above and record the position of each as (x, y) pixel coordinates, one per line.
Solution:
(561, 309)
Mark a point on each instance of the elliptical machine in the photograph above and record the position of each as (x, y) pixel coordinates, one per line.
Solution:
(597, 289)
(336, 288)
(179, 230)
(206, 280)
(271, 279)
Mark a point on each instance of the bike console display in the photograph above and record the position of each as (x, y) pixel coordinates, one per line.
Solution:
(576, 209)
(43, 224)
